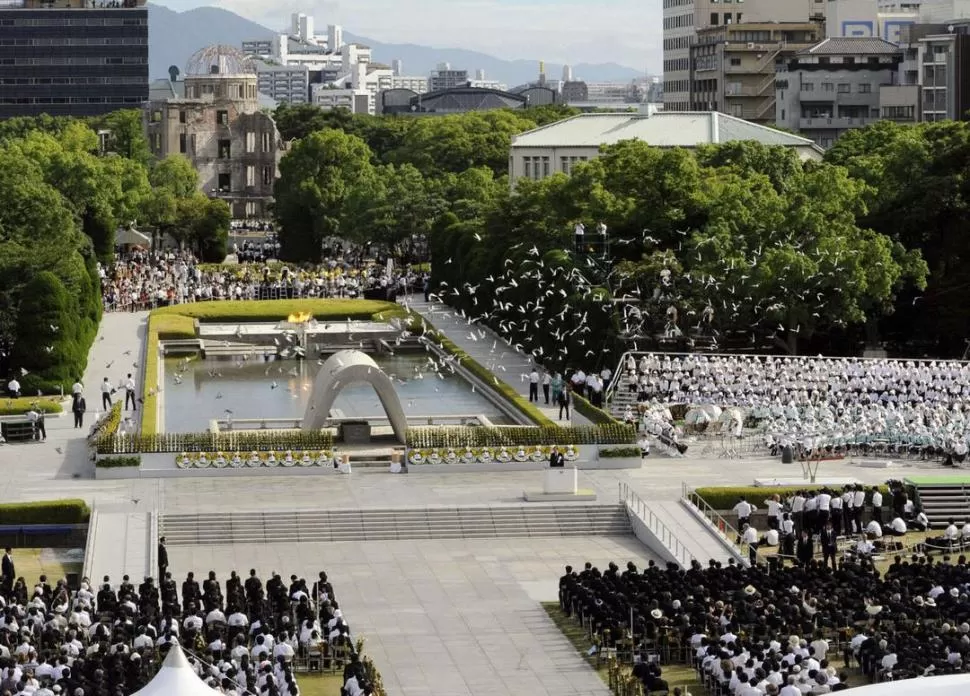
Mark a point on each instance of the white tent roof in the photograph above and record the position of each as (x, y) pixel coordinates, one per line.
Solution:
(130, 236)
(176, 678)
(949, 685)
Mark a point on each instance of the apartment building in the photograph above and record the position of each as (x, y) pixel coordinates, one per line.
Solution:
(834, 86)
(72, 57)
(733, 67)
(683, 19)
(285, 84)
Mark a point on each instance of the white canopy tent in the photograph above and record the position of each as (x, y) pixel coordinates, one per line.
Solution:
(949, 685)
(132, 237)
(176, 678)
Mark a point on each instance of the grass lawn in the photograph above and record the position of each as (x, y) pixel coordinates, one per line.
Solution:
(32, 563)
(676, 675)
(319, 684)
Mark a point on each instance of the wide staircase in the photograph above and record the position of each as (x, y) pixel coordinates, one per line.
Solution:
(386, 524)
(622, 397)
(944, 498)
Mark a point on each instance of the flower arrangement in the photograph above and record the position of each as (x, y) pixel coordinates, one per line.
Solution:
(255, 459)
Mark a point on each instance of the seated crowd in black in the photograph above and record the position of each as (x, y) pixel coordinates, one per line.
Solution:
(747, 628)
(112, 642)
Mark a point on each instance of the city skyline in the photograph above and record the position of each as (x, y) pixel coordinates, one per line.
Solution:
(627, 32)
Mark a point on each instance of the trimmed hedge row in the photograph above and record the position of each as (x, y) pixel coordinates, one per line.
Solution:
(248, 441)
(275, 310)
(726, 497)
(66, 511)
(513, 436)
(592, 413)
(22, 404)
(520, 402)
(618, 452)
(118, 462)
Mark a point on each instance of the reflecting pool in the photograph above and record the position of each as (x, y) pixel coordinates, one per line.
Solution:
(199, 390)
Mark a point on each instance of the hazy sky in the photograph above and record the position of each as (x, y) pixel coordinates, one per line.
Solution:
(559, 31)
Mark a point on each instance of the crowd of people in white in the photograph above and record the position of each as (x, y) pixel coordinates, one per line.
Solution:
(905, 407)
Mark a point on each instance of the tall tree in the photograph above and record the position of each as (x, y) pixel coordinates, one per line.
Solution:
(318, 177)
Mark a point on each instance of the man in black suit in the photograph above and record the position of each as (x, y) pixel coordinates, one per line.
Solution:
(556, 459)
(162, 559)
(7, 572)
(804, 550)
(829, 544)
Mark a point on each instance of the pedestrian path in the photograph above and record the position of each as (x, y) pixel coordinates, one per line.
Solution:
(699, 539)
(121, 540)
(490, 350)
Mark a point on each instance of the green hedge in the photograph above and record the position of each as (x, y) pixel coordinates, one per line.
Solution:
(118, 462)
(22, 404)
(507, 436)
(67, 511)
(517, 400)
(275, 310)
(618, 452)
(593, 414)
(726, 497)
(246, 441)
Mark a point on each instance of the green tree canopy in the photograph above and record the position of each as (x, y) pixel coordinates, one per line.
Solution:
(318, 179)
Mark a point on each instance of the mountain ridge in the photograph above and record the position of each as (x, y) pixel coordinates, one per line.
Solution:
(174, 36)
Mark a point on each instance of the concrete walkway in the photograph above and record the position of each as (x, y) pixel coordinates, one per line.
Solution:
(121, 540)
(491, 351)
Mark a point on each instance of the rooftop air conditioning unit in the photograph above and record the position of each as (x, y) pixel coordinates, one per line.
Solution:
(750, 45)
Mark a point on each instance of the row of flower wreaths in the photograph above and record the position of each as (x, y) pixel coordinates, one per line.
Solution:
(443, 455)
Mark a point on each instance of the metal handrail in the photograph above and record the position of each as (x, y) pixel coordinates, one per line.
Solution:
(655, 525)
(725, 530)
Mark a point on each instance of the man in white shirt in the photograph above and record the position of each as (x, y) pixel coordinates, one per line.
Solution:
(77, 388)
(546, 384)
(130, 392)
(858, 505)
(876, 504)
(13, 387)
(775, 511)
(106, 390)
(743, 510)
(749, 536)
(895, 528)
(874, 529)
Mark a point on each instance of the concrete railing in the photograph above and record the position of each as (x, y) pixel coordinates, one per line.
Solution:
(725, 532)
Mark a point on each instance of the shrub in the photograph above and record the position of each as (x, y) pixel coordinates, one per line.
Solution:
(67, 511)
(513, 436)
(118, 462)
(20, 405)
(247, 441)
(592, 413)
(618, 452)
(106, 428)
(725, 497)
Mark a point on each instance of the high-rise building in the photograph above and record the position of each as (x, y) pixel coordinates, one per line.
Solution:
(446, 78)
(72, 57)
(682, 19)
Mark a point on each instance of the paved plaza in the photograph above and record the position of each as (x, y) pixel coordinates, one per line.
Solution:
(450, 617)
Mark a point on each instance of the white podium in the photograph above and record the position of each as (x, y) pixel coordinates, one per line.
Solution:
(559, 485)
(561, 480)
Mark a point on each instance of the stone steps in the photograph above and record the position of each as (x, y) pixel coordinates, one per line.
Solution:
(390, 524)
(941, 503)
